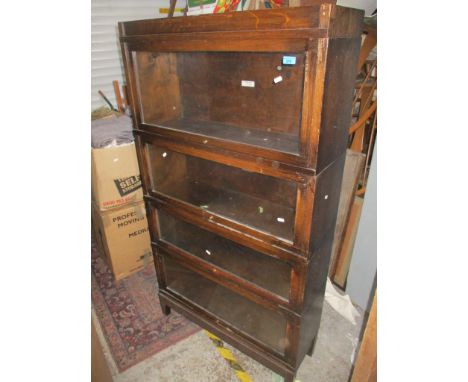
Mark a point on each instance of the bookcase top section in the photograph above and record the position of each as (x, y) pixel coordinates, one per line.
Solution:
(326, 19)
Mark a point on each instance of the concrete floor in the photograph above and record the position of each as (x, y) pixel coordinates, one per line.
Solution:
(195, 359)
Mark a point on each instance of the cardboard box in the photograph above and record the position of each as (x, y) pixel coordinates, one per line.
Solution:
(122, 235)
(115, 176)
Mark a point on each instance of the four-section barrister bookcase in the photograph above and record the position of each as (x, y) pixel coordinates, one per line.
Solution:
(241, 123)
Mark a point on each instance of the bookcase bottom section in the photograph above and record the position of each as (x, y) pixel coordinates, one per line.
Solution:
(274, 363)
(256, 321)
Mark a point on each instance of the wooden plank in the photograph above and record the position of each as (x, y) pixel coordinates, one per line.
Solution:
(369, 43)
(242, 41)
(118, 97)
(361, 191)
(370, 149)
(364, 118)
(308, 3)
(365, 369)
(359, 135)
(125, 96)
(364, 83)
(171, 8)
(367, 99)
(282, 18)
(353, 167)
(347, 245)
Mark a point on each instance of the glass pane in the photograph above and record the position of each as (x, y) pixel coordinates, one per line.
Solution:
(260, 201)
(264, 271)
(261, 323)
(251, 98)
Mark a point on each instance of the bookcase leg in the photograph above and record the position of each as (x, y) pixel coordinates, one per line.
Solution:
(312, 347)
(166, 309)
(284, 376)
(289, 377)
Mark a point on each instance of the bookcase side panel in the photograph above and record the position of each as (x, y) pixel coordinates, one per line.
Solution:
(340, 77)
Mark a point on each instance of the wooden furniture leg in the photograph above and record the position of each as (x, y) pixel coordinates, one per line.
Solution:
(312, 347)
(289, 378)
(166, 309)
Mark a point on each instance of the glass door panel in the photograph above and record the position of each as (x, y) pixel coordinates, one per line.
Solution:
(260, 201)
(255, 320)
(244, 97)
(262, 270)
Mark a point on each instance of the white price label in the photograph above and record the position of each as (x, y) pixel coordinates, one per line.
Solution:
(247, 84)
(278, 79)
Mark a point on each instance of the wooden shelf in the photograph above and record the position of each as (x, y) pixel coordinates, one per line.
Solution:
(241, 207)
(288, 143)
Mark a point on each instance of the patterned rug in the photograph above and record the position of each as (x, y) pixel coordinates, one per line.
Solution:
(130, 315)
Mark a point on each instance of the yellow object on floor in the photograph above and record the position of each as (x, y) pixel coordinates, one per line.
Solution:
(229, 357)
(166, 10)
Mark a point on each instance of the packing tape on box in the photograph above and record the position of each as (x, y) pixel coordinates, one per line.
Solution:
(147, 257)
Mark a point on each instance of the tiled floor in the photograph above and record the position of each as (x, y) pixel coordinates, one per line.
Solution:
(195, 359)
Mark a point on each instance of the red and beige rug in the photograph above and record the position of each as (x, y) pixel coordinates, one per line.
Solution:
(130, 315)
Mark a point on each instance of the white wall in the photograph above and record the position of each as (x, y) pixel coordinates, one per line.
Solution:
(363, 269)
(106, 61)
(369, 6)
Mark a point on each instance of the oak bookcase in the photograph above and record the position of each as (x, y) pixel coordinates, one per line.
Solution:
(241, 123)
